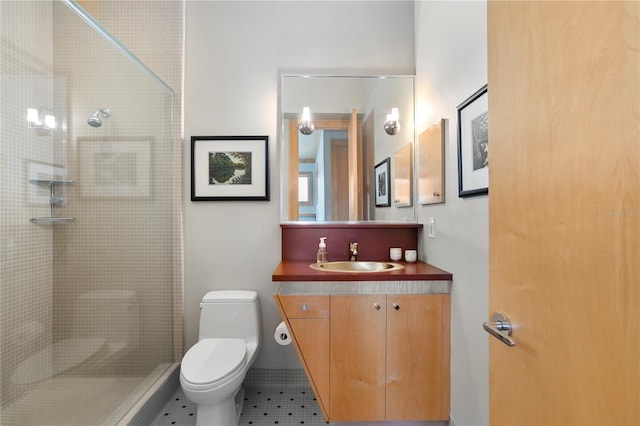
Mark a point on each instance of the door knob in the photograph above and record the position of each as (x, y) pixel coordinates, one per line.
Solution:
(500, 328)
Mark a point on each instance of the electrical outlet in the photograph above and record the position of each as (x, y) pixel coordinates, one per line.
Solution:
(431, 227)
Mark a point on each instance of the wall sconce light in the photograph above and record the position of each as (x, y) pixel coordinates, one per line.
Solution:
(305, 125)
(41, 121)
(392, 125)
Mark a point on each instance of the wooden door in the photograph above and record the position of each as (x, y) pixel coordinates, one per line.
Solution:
(339, 180)
(353, 180)
(294, 170)
(564, 211)
(418, 348)
(357, 358)
(355, 167)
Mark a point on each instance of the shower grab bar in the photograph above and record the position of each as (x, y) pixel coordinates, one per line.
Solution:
(54, 200)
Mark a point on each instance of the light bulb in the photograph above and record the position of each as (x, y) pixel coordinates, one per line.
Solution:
(50, 121)
(392, 125)
(305, 125)
(33, 116)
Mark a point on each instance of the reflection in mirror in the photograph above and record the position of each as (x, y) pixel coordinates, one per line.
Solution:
(403, 176)
(304, 188)
(346, 138)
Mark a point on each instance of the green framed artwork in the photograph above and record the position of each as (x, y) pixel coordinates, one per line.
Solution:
(229, 168)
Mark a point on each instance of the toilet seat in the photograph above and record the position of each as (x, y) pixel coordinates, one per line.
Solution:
(210, 362)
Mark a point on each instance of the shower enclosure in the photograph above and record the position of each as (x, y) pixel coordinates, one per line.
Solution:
(90, 262)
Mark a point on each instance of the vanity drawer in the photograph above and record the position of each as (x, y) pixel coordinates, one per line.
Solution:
(305, 306)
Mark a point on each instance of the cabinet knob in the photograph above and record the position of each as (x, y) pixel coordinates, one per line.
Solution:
(396, 306)
(304, 307)
(376, 306)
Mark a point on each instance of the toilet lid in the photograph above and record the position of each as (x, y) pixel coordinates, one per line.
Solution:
(211, 360)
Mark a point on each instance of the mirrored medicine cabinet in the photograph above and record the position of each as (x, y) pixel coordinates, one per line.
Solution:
(331, 174)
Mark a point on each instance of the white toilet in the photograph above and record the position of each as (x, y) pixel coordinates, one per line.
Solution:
(213, 370)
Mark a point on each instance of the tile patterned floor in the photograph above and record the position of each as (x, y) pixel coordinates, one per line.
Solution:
(263, 405)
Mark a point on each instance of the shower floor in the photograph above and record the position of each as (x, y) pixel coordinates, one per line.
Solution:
(74, 401)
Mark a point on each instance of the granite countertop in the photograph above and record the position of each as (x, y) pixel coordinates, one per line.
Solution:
(300, 271)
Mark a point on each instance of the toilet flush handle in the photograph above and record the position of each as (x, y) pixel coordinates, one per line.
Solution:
(200, 306)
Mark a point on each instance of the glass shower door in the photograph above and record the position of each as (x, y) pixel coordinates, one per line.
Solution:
(86, 305)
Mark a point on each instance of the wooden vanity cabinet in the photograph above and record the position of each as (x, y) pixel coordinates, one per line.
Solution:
(374, 357)
(389, 357)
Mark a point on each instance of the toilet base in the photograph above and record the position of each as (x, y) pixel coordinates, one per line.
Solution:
(224, 413)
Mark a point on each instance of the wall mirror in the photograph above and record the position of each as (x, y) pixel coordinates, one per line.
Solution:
(352, 123)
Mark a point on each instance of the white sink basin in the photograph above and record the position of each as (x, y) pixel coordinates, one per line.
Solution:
(357, 266)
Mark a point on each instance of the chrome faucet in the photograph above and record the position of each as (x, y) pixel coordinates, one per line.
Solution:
(353, 251)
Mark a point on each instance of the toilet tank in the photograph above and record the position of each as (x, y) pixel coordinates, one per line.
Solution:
(113, 315)
(230, 314)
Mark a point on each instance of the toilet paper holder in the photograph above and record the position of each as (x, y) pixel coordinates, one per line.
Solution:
(281, 334)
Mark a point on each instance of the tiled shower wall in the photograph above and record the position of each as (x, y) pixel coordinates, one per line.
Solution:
(120, 240)
(26, 254)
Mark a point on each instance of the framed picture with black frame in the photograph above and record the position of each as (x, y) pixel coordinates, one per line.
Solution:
(382, 181)
(473, 145)
(229, 168)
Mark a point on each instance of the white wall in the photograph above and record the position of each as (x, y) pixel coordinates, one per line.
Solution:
(234, 54)
(451, 64)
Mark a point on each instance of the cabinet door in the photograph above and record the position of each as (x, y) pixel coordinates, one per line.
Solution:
(417, 366)
(357, 384)
(307, 318)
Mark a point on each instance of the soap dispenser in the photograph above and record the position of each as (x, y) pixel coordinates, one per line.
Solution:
(322, 251)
